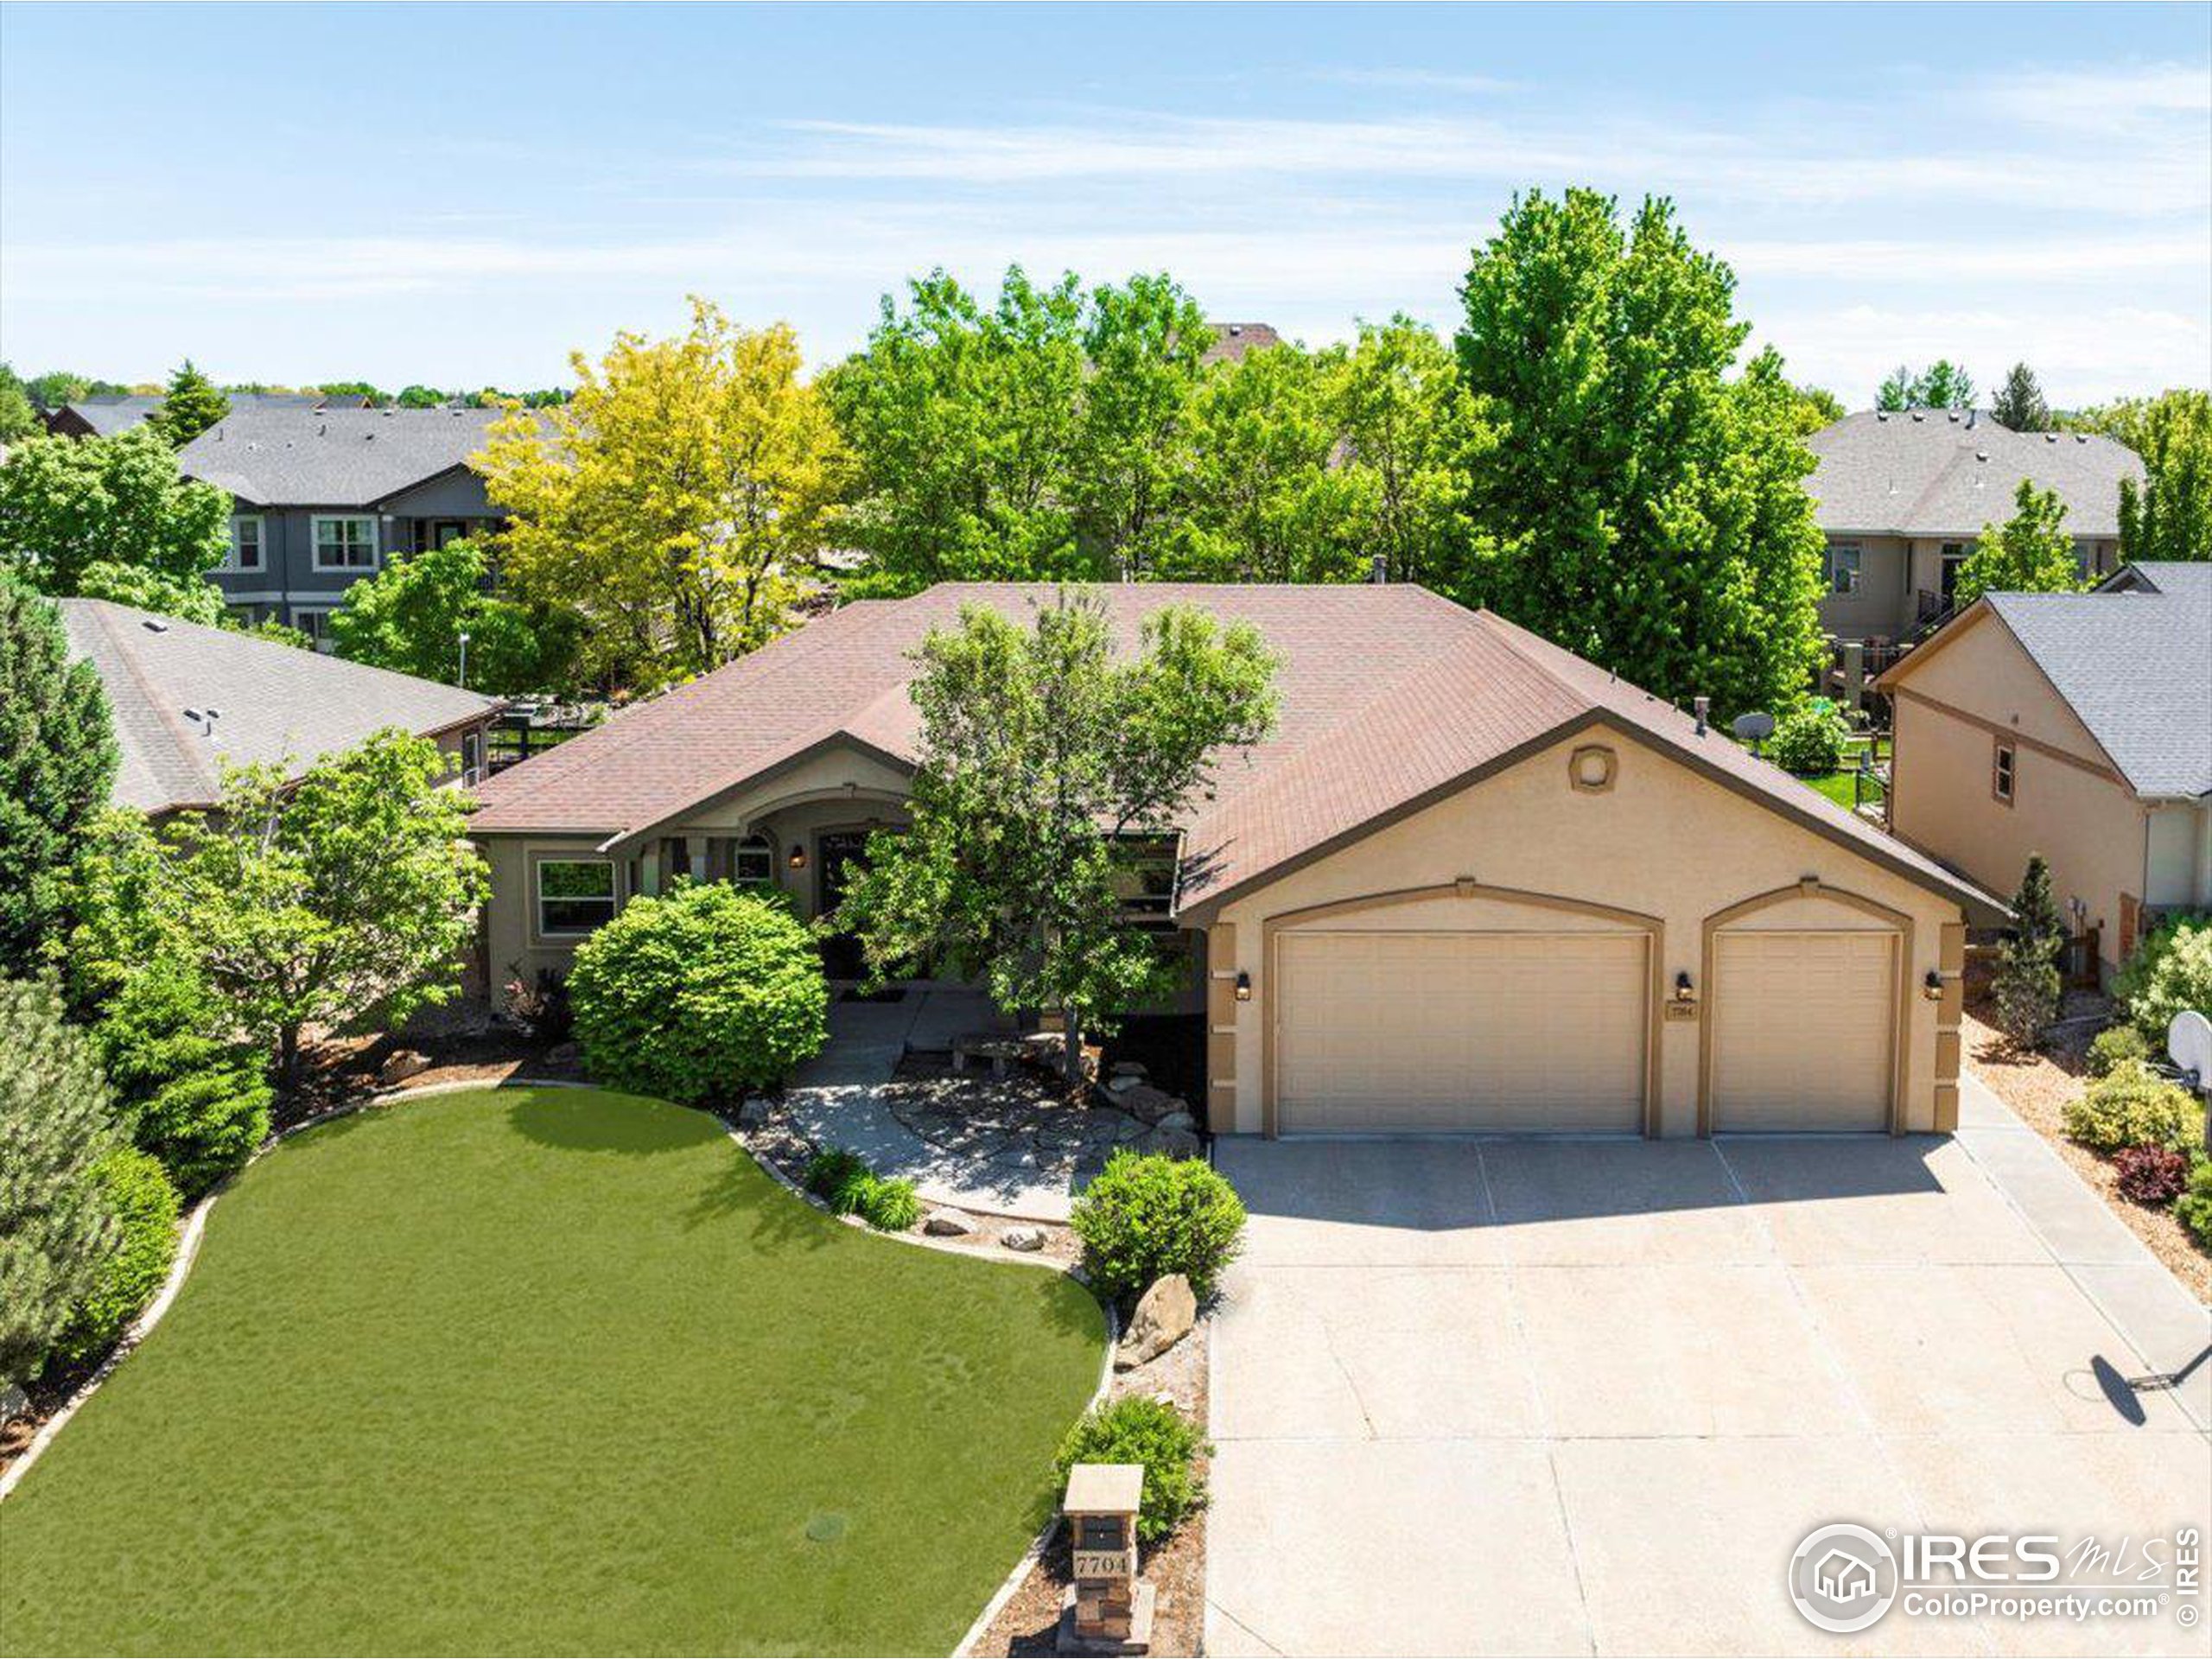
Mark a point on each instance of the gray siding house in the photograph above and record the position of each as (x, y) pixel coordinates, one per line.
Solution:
(1903, 495)
(323, 497)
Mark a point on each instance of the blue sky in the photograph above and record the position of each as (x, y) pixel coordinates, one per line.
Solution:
(460, 194)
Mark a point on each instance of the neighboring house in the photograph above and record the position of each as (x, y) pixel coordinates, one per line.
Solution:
(1902, 496)
(105, 414)
(322, 497)
(186, 699)
(2078, 726)
(1471, 883)
(1232, 340)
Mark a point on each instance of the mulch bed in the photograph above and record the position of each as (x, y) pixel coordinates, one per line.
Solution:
(1029, 1623)
(2040, 1086)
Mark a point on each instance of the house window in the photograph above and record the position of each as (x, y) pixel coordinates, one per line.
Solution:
(314, 624)
(246, 543)
(752, 860)
(1145, 883)
(574, 895)
(345, 543)
(2001, 772)
(472, 757)
(1843, 568)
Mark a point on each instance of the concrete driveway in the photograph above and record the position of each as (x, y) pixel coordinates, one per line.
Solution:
(1586, 1397)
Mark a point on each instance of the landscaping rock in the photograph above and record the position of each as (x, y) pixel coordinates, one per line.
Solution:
(561, 1056)
(947, 1224)
(1164, 1317)
(754, 1113)
(1129, 1068)
(1024, 1239)
(400, 1065)
(1172, 1143)
(14, 1402)
(1118, 1084)
(1151, 1104)
(1179, 1120)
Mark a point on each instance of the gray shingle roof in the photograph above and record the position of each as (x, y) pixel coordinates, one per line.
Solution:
(278, 703)
(2136, 666)
(281, 457)
(110, 414)
(1933, 472)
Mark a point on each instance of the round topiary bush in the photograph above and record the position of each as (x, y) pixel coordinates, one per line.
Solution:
(138, 1190)
(1808, 739)
(699, 995)
(1137, 1428)
(2170, 971)
(2114, 1045)
(1147, 1216)
(2133, 1107)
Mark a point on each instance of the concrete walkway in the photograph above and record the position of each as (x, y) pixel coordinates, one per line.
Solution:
(1025, 1163)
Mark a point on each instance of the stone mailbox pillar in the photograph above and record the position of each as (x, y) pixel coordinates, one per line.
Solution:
(1106, 1610)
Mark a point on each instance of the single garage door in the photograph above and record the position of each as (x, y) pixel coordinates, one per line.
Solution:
(1420, 1032)
(1802, 1026)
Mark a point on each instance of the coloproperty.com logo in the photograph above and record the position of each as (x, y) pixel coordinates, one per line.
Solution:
(1845, 1578)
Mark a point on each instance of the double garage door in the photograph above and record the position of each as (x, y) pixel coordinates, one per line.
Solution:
(1504, 1032)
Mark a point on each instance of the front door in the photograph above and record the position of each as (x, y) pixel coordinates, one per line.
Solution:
(839, 854)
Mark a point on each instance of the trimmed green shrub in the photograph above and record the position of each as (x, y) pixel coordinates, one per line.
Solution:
(2132, 1107)
(2114, 1045)
(196, 1101)
(1808, 740)
(2152, 1175)
(205, 1127)
(1137, 1428)
(2170, 971)
(890, 1206)
(838, 1176)
(2194, 1207)
(138, 1192)
(1147, 1216)
(699, 994)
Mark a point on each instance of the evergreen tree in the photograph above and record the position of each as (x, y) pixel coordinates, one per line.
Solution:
(2027, 989)
(56, 1124)
(193, 405)
(57, 762)
(2020, 402)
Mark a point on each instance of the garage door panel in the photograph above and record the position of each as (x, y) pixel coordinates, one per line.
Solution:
(1803, 1030)
(1395, 1032)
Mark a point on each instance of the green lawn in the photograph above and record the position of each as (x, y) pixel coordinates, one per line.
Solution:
(544, 1372)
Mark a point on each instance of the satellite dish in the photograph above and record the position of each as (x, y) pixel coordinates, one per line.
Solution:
(2189, 1045)
(1753, 726)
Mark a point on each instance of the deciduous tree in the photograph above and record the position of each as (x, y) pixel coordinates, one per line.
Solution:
(1941, 385)
(1629, 499)
(2169, 515)
(411, 616)
(2029, 553)
(1050, 769)
(113, 517)
(1398, 403)
(679, 502)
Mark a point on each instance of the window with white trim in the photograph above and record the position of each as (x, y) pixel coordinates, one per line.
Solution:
(315, 624)
(2003, 762)
(245, 542)
(346, 541)
(752, 860)
(574, 895)
(1843, 568)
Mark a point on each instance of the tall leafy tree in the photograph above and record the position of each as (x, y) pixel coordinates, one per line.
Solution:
(679, 502)
(113, 518)
(1050, 767)
(965, 423)
(1941, 385)
(17, 418)
(2029, 553)
(1403, 413)
(192, 404)
(412, 614)
(1146, 345)
(1814, 408)
(2019, 403)
(341, 900)
(56, 1124)
(1628, 499)
(2168, 515)
(57, 763)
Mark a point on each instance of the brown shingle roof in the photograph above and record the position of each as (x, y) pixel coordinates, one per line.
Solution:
(1388, 696)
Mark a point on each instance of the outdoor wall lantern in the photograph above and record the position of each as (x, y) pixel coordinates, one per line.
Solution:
(1932, 987)
(798, 856)
(1684, 992)
(1243, 987)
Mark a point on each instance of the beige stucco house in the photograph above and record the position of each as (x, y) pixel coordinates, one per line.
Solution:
(2078, 726)
(1901, 496)
(1472, 883)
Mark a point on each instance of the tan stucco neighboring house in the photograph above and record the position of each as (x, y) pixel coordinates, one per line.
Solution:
(1901, 496)
(1471, 883)
(2078, 726)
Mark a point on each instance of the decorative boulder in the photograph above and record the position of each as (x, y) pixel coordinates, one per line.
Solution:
(400, 1065)
(948, 1223)
(1164, 1317)
(1024, 1239)
(754, 1113)
(564, 1056)
(1172, 1143)
(1143, 1102)
(1182, 1120)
